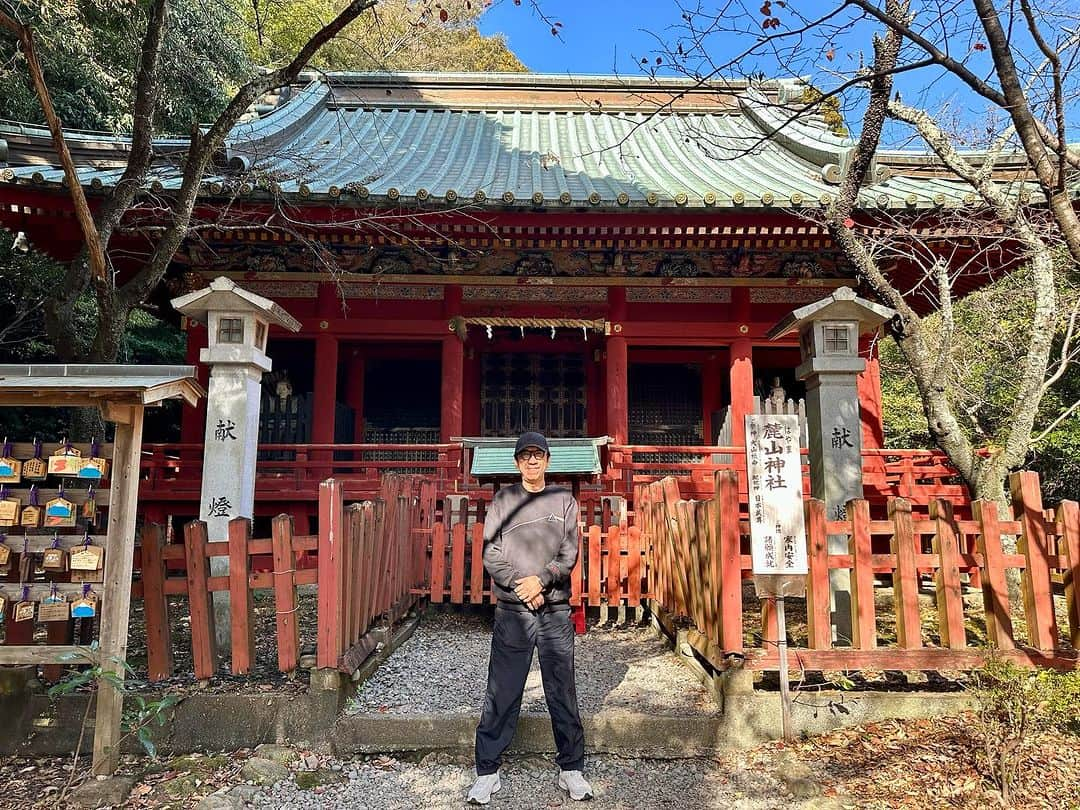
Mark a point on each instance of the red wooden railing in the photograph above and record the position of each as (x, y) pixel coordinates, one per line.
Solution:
(700, 555)
(610, 569)
(174, 470)
(370, 557)
(689, 557)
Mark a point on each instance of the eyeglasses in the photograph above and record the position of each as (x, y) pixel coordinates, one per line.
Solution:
(531, 455)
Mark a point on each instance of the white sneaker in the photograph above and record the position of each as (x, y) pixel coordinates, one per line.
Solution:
(483, 787)
(576, 785)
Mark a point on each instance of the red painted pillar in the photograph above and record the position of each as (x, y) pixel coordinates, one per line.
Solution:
(618, 406)
(616, 368)
(741, 369)
(322, 412)
(193, 420)
(711, 388)
(453, 371)
(869, 388)
(741, 373)
(354, 392)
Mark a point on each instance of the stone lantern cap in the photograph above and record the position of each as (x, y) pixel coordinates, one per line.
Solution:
(224, 295)
(842, 305)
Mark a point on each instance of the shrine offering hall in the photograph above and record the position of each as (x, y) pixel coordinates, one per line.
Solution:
(476, 255)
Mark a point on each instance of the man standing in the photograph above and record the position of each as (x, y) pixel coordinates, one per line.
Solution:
(530, 547)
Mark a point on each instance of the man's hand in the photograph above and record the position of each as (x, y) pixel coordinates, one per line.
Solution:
(536, 602)
(528, 589)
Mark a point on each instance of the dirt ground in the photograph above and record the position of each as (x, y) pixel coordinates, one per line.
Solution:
(884, 766)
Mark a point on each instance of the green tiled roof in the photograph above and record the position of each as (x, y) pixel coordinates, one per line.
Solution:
(495, 457)
(535, 142)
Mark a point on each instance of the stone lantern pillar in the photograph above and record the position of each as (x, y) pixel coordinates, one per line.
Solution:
(829, 332)
(237, 325)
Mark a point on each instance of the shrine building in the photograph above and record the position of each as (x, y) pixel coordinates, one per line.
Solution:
(474, 255)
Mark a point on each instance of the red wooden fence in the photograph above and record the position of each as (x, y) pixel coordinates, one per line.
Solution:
(700, 551)
(377, 558)
(610, 569)
(368, 566)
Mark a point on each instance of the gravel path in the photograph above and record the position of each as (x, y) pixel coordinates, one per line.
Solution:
(528, 783)
(442, 669)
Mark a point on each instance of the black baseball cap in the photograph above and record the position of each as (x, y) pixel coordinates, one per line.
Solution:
(531, 439)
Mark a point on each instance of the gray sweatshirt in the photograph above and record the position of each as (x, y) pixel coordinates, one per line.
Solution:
(531, 534)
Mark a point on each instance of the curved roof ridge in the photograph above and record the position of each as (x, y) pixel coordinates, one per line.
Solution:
(813, 143)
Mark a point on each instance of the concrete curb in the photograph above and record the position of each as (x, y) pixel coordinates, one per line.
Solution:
(747, 721)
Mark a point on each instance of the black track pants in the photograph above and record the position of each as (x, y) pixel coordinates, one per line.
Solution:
(516, 634)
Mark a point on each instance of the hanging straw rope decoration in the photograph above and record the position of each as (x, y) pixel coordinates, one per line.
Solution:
(599, 325)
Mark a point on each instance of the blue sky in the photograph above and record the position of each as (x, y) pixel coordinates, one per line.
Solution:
(597, 36)
(607, 36)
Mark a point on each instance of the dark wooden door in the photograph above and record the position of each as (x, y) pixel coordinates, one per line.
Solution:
(532, 391)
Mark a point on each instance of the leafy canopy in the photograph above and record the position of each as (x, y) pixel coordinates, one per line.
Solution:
(398, 35)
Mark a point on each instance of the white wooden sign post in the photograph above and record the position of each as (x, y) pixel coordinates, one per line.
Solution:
(777, 528)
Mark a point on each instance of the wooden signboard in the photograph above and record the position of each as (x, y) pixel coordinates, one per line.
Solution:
(65, 461)
(60, 512)
(24, 612)
(10, 511)
(34, 469)
(85, 607)
(777, 525)
(31, 516)
(54, 559)
(774, 476)
(10, 470)
(54, 609)
(87, 558)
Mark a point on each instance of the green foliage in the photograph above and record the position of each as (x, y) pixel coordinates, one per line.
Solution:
(148, 340)
(987, 347)
(398, 35)
(828, 108)
(140, 715)
(89, 51)
(1014, 706)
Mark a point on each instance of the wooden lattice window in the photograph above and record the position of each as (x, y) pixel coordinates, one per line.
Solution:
(532, 391)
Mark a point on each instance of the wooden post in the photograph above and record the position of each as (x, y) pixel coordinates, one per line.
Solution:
(950, 603)
(476, 580)
(906, 576)
(288, 636)
(116, 604)
(614, 565)
(453, 387)
(727, 492)
(633, 566)
(325, 395)
(1068, 516)
(862, 579)
(438, 561)
(330, 550)
(1035, 580)
(242, 626)
(200, 606)
(999, 629)
(594, 565)
(741, 376)
(785, 690)
(818, 617)
(457, 565)
(616, 367)
(159, 654)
